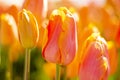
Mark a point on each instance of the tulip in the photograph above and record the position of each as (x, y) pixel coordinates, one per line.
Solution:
(61, 44)
(85, 33)
(8, 30)
(39, 8)
(84, 16)
(94, 64)
(8, 36)
(28, 36)
(43, 33)
(28, 29)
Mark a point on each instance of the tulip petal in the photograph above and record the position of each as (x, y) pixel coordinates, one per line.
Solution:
(67, 41)
(51, 51)
(28, 29)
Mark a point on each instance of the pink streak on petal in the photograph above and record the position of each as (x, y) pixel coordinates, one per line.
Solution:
(68, 44)
(51, 51)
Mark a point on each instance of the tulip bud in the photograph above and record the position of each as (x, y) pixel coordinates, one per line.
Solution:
(27, 29)
(94, 64)
(61, 44)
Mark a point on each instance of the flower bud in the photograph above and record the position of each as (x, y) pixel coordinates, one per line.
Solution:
(61, 44)
(27, 29)
(94, 64)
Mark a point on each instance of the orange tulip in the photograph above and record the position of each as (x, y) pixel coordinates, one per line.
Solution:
(38, 8)
(109, 25)
(8, 29)
(43, 35)
(61, 44)
(85, 33)
(84, 16)
(28, 29)
(113, 57)
(94, 63)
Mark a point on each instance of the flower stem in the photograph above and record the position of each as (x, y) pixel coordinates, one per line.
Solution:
(58, 67)
(0, 54)
(27, 65)
(64, 73)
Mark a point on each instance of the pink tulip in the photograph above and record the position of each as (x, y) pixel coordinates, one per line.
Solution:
(61, 44)
(94, 63)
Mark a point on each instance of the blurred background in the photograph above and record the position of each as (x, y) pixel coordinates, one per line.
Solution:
(102, 14)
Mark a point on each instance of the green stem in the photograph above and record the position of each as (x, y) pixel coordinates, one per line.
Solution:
(9, 67)
(27, 65)
(0, 54)
(64, 73)
(58, 67)
(9, 71)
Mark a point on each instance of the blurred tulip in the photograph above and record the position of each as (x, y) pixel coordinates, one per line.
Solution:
(94, 64)
(105, 19)
(113, 57)
(61, 44)
(84, 16)
(11, 7)
(8, 29)
(13, 10)
(38, 8)
(109, 24)
(9, 35)
(115, 4)
(43, 33)
(28, 29)
(85, 33)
